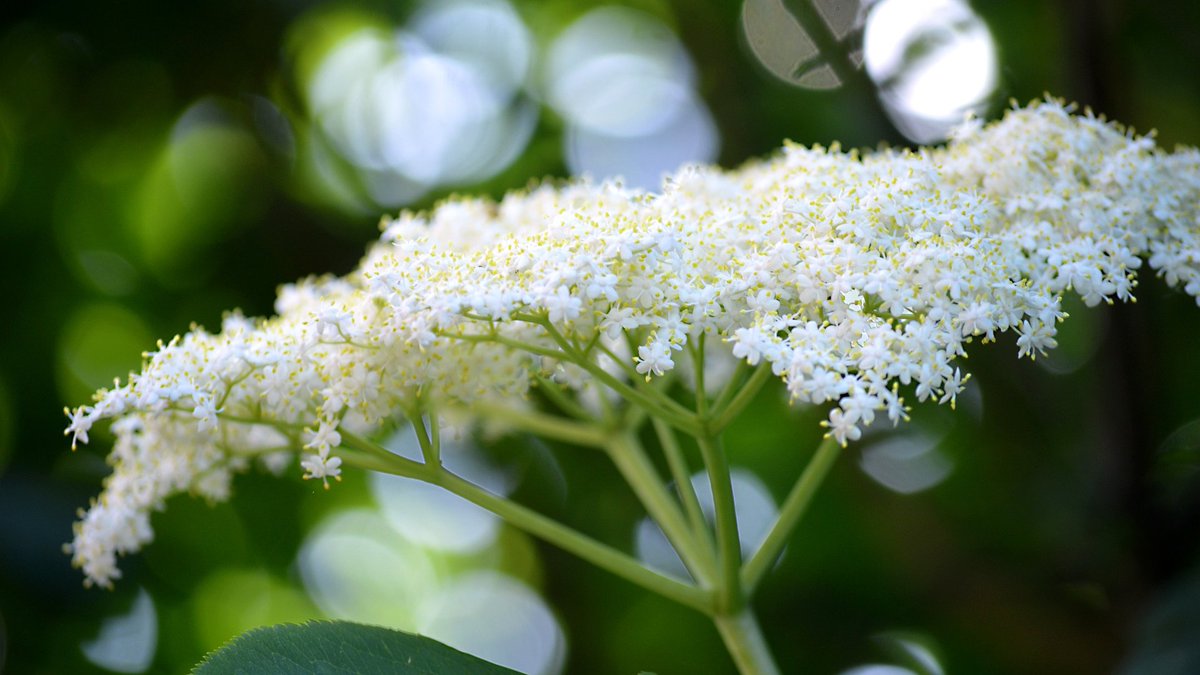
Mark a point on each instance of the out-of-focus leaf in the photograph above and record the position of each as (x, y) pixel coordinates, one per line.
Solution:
(1177, 464)
(1165, 643)
(334, 647)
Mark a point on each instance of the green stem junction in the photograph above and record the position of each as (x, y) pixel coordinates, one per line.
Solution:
(721, 582)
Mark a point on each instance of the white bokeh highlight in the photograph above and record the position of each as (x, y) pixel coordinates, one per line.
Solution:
(435, 518)
(625, 87)
(934, 63)
(906, 463)
(126, 642)
(437, 103)
(498, 619)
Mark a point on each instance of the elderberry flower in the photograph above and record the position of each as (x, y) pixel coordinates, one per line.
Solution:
(859, 280)
(654, 358)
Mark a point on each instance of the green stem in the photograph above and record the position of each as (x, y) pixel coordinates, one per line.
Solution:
(630, 419)
(629, 457)
(744, 640)
(395, 465)
(581, 545)
(253, 451)
(629, 370)
(496, 338)
(729, 548)
(380, 456)
(284, 427)
(731, 385)
(659, 406)
(534, 523)
(683, 482)
(435, 435)
(430, 447)
(231, 384)
(549, 426)
(697, 352)
(684, 420)
(790, 513)
(554, 391)
(579, 358)
(722, 417)
(650, 398)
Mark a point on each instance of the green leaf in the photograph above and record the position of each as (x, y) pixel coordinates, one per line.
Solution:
(339, 648)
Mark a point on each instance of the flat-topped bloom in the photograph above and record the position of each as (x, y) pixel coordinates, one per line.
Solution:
(856, 279)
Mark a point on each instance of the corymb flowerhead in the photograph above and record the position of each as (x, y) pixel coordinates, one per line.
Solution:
(857, 280)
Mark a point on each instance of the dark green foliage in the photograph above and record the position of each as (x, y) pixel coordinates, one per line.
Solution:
(339, 648)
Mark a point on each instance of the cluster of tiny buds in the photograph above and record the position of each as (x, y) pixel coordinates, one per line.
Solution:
(858, 280)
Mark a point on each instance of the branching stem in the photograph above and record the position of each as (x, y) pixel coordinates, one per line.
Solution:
(631, 460)
(730, 598)
(683, 482)
(367, 455)
(790, 513)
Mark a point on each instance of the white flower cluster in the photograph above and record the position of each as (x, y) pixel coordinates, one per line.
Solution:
(855, 279)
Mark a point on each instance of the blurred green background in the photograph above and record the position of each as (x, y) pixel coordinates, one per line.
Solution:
(161, 163)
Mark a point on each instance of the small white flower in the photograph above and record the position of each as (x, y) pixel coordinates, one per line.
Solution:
(654, 358)
(324, 438)
(329, 323)
(1035, 338)
(205, 413)
(81, 423)
(842, 427)
(853, 299)
(323, 467)
(952, 387)
(619, 319)
(748, 344)
(561, 306)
